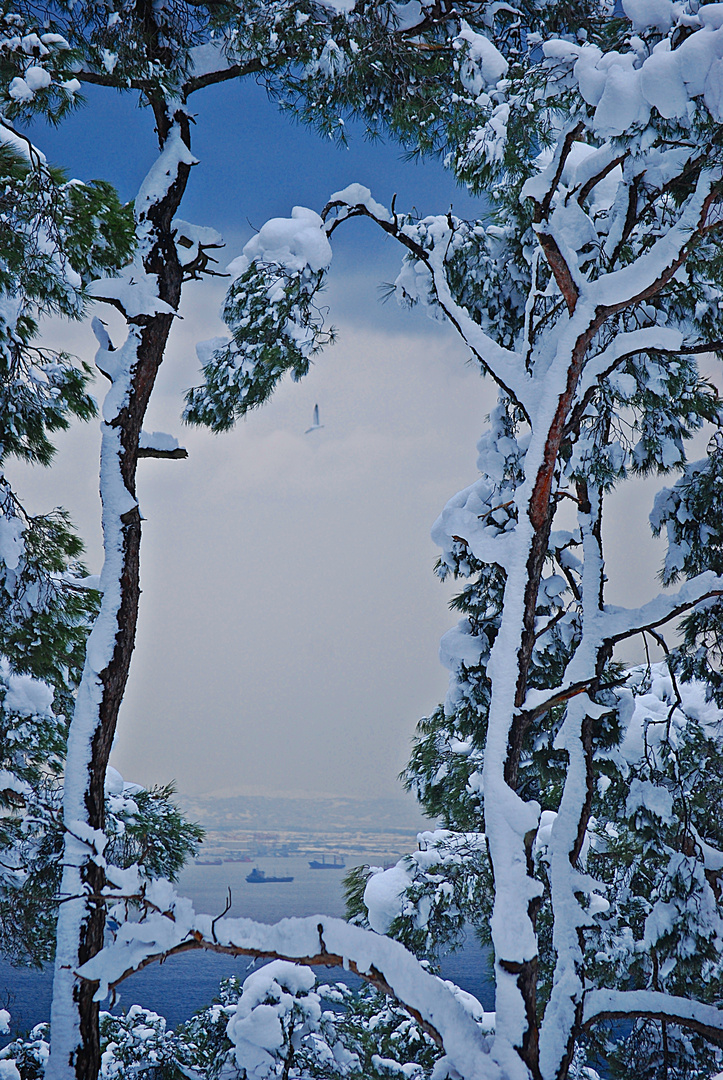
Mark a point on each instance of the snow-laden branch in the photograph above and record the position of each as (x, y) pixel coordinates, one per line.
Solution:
(707, 1020)
(615, 624)
(316, 940)
(643, 277)
(506, 366)
(83, 844)
(569, 827)
(626, 345)
(618, 623)
(210, 66)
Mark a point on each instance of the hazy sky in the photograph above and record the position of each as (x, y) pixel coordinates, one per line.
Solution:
(290, 618)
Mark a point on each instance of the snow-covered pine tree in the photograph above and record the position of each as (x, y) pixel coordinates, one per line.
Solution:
(56, 236)
(367, 60)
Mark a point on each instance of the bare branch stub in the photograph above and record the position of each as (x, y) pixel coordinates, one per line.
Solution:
(152, 451)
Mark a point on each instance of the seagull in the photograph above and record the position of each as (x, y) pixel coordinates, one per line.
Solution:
(315, 423)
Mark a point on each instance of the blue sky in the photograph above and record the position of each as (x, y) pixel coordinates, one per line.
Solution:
(255, 161)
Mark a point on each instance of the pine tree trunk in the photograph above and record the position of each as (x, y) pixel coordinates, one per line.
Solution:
(75, 1045)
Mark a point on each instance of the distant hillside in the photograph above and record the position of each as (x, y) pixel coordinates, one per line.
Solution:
(323, 814)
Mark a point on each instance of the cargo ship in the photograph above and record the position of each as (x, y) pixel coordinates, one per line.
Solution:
(338, 864)
(258, 877)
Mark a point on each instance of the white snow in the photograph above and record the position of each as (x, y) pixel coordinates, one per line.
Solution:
(27, 696)
(209, 57)
(384, 896)
(37, 78)
(342, 7)
(113, 781)
(19, 90)
(650, 13)
(406, 16)
(646, 795)
(484, 65)
(358, 195)
(157, 440)
(22, 146)
(12, 546)
(135, 291)
(292, 243)
(163, 173)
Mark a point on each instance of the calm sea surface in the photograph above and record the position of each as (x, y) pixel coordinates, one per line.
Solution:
(186, 983)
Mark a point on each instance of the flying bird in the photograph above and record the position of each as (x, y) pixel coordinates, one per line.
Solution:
(315, 425)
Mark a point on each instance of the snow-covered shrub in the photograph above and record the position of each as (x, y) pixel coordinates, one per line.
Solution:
(137, 1044)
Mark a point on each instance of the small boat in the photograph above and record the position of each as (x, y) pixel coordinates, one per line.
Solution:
(338, 864)
(258, 877)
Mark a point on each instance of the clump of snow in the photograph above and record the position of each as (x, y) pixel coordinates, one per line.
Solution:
(19, 90)
(25, 695)
(384, 896)
(12, 546)
(191, 239)
(544, 831)
(293, 243)
(134, 290)
(113, 781)
(358, 195)
(4, 1022)
(643, 14)
(406, 16)
(37, 78)
(484, 65)
(273, 1000)
(342, 7)
(651, 797)
(208, 58)
(157, 440)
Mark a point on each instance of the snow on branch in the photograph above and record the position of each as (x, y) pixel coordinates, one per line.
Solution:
(626, 345)
(615, 624)
(506, 366)
(620, 623)
(160, 445)
(649, 271)
(622, 1004)
(316, 940)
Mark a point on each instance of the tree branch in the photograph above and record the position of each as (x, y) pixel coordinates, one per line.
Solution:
(152, 451)
(660, 610)
(314, 941)
(707, 1020)
(503, 365)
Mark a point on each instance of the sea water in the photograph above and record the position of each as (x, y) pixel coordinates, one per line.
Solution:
(185, 983)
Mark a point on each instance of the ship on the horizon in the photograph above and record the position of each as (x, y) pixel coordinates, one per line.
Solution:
(338, 863)
(258, 877)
